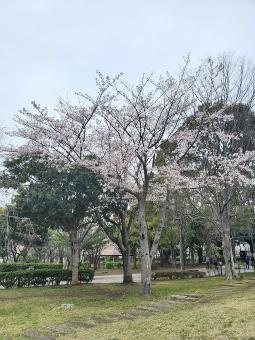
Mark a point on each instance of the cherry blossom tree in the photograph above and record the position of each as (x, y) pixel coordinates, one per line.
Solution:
(128, 138)
(215, 150)
(117, 134)
(63, 138)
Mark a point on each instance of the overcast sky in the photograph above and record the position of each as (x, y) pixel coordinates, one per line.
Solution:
(51, 48)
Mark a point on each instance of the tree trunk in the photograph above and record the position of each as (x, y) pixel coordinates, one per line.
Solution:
(96, 259)
(123, 245)
(173, 256)
(227, 248)
(252, 243)
(127, 273)
(182, 255)
(144, 248)
(51, 256)
(61, 255)
(135, 257)
(192, 255)
(75, 256)
(200, 255)
(162, 258)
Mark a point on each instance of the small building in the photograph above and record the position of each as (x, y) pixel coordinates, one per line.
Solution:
(110, 252)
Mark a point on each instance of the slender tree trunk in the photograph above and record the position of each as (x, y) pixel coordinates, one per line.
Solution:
(135, 257)
(75, 256)
(96, 259)
(162, 258)
(127, 272)
(192, 255)
(39, 254)
(173, 256)
(230, 272)
(252, 242)
(51, 256)
(200, 255)
(61, 255)
(144, 248)
(182, 255)
(123, 245)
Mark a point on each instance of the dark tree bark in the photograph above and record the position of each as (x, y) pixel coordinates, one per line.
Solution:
(192, 255)
(75, 255)
(230, 272)
(122, 243)
(61, 255)
(127, 273)
(200, 255)
(182, 246)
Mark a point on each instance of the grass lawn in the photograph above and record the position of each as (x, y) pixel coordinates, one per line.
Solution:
(215, 310)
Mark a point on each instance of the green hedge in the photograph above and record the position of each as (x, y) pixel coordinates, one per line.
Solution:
(41, 277)
(84, 265)
(113, 264)
(13, 267)
(188, 274)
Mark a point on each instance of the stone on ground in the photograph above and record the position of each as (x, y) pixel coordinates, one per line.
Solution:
(100, 319)
(67, 306)
(82, 324)
(59, 329)
(39, 336)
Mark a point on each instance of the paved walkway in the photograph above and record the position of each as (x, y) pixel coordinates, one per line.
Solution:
(115, 278)
(118, 278)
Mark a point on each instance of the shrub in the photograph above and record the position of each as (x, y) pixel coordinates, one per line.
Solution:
(188, 274)
(119, 264)
(84, 265)
(109, 264)
(32, 259)
(41, 277)
(113, 264)
(16, 266)
(86, 275)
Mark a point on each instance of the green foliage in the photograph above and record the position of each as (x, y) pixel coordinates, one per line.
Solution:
(169, 237)
(56, 197)
(21, 235)
(113, 264)
(86, 275)
(94, 240)
(84, 265)
(31, 259)
(109, 265)
(188, 274)
(167, 147)
(12, 267)
(41, 277)
(119, 264)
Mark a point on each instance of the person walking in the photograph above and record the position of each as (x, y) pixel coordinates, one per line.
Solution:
(215, 262)
(247, 261)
